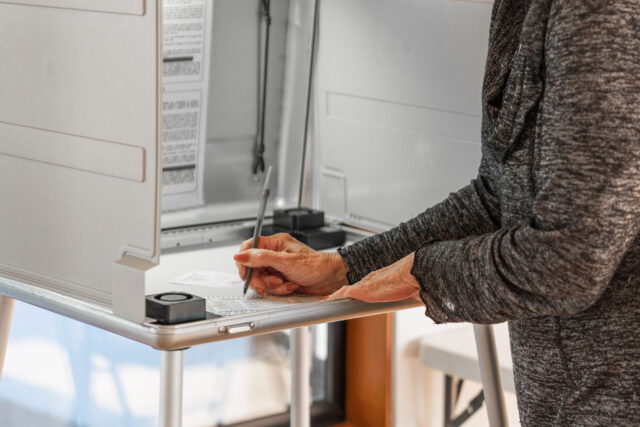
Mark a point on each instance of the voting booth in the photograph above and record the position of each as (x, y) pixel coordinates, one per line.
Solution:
(110, 192)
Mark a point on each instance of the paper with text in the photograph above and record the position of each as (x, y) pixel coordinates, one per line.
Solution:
(224, 296)
(186, 43)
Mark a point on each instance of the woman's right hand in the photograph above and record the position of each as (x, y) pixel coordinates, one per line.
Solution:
(282, 265)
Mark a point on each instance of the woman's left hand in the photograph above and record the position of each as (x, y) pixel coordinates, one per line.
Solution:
(392, 283)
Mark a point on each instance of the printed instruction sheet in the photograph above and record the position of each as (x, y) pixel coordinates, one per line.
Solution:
(224, 294)
(186, 45)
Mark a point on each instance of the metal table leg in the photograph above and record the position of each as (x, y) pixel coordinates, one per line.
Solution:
(300, 381)
(171, 368)
(6, 313)
(490, 373)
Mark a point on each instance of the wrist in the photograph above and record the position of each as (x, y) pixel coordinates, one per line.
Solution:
(339, 268)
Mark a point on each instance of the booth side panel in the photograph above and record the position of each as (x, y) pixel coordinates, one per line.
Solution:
(78, 145)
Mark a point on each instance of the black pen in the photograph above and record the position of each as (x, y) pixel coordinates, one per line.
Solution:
(258, 229)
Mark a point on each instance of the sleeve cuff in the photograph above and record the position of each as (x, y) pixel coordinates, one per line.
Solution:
(355, 273)
(434, 269)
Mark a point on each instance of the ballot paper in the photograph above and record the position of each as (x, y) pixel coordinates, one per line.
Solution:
(180, 147)
(223, 293)
(213, 283)
(186, 45)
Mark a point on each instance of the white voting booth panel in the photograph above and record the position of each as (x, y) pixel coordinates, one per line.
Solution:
(80, 141)
(79, 137)
(397, 111)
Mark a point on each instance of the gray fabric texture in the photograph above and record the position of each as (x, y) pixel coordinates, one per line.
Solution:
(547, 235)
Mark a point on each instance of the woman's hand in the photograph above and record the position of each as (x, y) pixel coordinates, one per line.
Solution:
(392, 283)
(282, 265)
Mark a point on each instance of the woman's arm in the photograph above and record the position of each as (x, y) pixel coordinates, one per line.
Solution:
(283, 265)
(473, 210)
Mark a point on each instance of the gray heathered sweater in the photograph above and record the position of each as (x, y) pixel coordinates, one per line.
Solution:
(547, 236)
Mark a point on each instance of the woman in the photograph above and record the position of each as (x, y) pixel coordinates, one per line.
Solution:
(546, 237)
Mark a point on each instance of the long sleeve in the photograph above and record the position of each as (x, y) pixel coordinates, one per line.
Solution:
(586, 210)
(472, 210)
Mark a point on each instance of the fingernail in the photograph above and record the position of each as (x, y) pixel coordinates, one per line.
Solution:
(325, 298)
(241, 256)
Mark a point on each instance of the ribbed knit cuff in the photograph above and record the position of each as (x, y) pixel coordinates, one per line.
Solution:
(356, 272)
(429, 267)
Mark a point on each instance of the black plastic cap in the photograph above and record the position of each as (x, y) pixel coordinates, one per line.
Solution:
(170, 308)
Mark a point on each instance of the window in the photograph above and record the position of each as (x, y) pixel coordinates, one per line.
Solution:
(59, 372)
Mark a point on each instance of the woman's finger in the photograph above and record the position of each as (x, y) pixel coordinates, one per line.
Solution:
(268, 279)
(281, 261)
(343, 292)
(269, 274)
(365, 290)
(242, 270)
(257, 283)
(284, 289)
(275, 243)
(272, 281)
